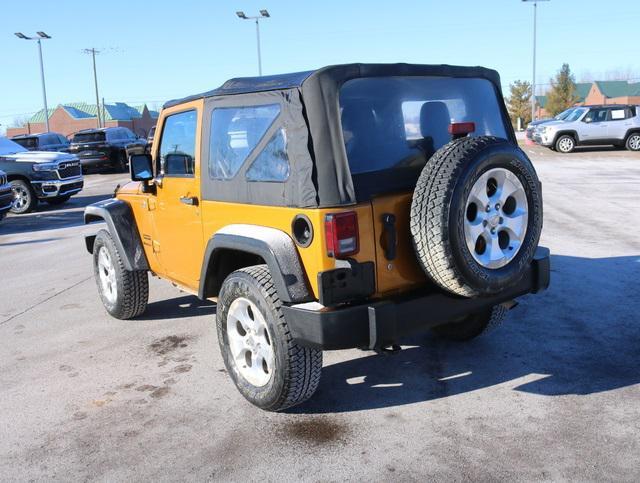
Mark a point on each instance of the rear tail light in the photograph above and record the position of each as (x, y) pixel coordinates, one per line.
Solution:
(341, 231)
(461, 128)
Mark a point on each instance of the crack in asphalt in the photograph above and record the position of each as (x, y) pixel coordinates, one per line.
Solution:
(45, 300)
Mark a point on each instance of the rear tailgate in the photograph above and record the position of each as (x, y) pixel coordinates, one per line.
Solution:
(400, 270)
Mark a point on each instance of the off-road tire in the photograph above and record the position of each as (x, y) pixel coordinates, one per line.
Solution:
(473, 325)
(560, 142)
(132, 286)
(297, 369)
(58, 200)
(438, 210)
(633, 141)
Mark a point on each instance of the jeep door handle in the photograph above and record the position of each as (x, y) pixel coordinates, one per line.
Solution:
(189, 200)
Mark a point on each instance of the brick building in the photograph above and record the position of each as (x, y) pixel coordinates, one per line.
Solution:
(69, 118)
(598, 92)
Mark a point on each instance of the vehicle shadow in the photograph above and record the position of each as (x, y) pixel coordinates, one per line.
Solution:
(580, 337)
(178, 308)
(49, 217)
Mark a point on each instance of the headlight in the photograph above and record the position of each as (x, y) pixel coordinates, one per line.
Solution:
(45, 166)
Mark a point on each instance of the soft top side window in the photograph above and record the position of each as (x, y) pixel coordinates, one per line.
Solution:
(178, 144)
(235, 132)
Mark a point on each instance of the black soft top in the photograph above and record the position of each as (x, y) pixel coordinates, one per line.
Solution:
(337, 73)
(320, 169)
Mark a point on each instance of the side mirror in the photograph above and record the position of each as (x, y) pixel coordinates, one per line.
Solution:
(140, 167)
(587, 119)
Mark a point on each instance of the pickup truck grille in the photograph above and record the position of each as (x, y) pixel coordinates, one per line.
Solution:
(3, 179)
(68, 169)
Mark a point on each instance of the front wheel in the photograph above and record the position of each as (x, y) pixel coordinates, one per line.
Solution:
(24, 200)
(565, 144)
(124, 293)
(473, 325)
(267, 366)
(633, 142)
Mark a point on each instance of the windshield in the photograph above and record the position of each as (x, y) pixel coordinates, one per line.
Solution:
(27, 142)
(89, 137)
(391, 123)
(575, 115)
(564, 114)
(7, 146)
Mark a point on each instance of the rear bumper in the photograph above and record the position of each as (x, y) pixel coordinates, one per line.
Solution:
(380, 324)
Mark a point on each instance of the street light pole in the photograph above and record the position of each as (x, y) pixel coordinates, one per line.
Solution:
(263, 14)
(41, 36)
(93, 53)
(533, 83)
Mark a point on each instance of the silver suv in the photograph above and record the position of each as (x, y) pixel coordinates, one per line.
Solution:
(592, 125)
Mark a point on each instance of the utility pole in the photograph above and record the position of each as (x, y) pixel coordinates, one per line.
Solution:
(533, 83)
(93, 53)
(41, 36)
(263, 14)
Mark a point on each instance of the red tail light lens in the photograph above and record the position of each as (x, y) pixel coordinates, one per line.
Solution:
(341, 230)
(461, 128)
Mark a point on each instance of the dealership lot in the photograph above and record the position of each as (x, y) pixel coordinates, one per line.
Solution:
(552, 394)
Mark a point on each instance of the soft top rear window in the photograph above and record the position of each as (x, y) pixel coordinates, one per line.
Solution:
(397, 123)
(89, 137)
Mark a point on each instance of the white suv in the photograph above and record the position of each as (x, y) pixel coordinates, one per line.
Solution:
(592, 125)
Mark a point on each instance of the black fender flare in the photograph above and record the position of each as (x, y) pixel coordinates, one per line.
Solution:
(121, 224)
(274, 246)
(570, 132)
(631, 131)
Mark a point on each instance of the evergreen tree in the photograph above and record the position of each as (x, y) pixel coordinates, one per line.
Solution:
(562, 94)
(519, 102)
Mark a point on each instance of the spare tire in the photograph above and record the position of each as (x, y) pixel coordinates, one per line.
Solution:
(476, 216)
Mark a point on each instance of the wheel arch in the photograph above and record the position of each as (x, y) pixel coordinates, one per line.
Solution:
(21, 177)
(122, 226)
(571, 132)
(239, 246)
(630, 131)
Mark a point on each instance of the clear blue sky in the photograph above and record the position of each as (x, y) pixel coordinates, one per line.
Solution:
(160, 50)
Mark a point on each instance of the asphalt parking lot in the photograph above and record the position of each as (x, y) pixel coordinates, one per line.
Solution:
(553, 394)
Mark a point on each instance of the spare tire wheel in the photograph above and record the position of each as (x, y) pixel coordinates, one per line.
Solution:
(476, 216)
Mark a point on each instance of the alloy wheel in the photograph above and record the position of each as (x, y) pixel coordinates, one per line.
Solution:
(496, 218)
(107, 273)
(249, 342)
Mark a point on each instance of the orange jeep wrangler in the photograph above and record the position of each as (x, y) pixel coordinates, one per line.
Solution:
(339, 208)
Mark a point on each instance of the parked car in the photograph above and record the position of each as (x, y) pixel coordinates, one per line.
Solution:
(150, 136)
(106, 147)
(532, 125)
(46, 141)
(39, 175)
(339, 208)
(6, 195)
(617, 125)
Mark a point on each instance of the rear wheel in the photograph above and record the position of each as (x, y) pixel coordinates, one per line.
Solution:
(25, 199)
(267, 366)
(122, 162)
(124, 293)
(633, 142)
(476, 216)
(58, 200)
(473, 325)
(565, 144)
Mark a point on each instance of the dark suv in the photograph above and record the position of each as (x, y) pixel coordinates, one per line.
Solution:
(107, 146)
(44, 141)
